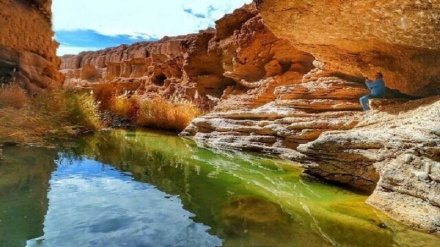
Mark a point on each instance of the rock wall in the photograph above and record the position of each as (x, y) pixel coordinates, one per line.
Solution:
(189, 66)
(27, 48)
(178, 67)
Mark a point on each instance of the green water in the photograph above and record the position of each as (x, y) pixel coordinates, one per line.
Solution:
(143, 188)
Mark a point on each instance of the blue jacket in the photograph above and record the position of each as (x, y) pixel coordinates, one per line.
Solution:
(376, 87)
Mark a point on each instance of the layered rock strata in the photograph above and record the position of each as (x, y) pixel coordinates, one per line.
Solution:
(299, 113)
(27, 48)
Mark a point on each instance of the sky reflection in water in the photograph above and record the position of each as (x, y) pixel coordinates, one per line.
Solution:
(92, 204)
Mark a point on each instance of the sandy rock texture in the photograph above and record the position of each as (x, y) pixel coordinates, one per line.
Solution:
(27, 50)
(297, 114)
(401, 38)
(155, 67)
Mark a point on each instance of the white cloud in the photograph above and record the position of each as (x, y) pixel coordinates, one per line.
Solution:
(136, 17)
(63, 50)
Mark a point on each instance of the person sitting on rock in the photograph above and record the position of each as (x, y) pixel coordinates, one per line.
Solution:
(377, 88)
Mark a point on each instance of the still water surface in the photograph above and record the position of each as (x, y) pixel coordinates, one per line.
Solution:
(144, 188)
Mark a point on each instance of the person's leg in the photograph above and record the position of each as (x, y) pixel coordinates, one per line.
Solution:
(364, 102)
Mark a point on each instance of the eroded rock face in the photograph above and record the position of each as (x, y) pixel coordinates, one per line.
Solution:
(156, 66)
(399, 142)
(27, 50)
(288, 120)
(400, 38)
(236, 65)
(282, 96)
(190, 66)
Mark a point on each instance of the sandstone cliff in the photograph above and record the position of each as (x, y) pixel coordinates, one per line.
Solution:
(287, 80)
(27, 48)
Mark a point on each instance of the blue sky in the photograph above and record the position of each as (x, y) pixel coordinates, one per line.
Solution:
(82, 25)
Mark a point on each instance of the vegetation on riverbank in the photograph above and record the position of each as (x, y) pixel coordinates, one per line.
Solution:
(156, 113)
(57, 113)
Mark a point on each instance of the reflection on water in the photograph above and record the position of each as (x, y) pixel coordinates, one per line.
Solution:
(24, 181)
(92, 204)
(127, 188)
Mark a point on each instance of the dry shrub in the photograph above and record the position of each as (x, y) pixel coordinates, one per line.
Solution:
(67, 108)
(125, 107)
(164, 114)
(106, 93)
(22, 126)
(13, 96)
(51, 113)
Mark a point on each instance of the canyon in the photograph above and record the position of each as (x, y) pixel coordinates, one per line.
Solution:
(284, 78)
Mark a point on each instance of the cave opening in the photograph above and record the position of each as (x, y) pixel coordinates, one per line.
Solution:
(285, 65)
(159, 80)
(6, 72)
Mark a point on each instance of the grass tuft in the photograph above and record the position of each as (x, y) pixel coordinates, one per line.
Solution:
(56, 113)
(165, 114)
(157, 113)
(13, 96)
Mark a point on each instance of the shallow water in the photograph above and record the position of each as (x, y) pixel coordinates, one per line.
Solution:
(144, 188)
